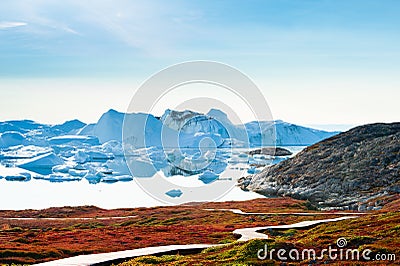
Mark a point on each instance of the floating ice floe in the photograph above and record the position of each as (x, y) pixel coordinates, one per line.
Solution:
(77, 173)
(114, 147)
(63, 168)
(118, 166)
(208, 177)
(97, 150)
(76, 139)
(243, 155)
(141, 167)
(261, 157)
(117, 178)
(174, 193)
(253, 170)
(81, 157)
(15, 174)
(109, 179)
(190, 163)
(60, 177)
(23, 152)
(64, 150)
(124, 178)
(84, 156)
(93, 178)
(200, 139)
(42, 164)
(217, 166)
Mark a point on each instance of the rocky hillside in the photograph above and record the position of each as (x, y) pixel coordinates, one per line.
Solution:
(345, 171)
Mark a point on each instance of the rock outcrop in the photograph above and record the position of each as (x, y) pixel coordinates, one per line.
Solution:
(343, 171)
(278, 151)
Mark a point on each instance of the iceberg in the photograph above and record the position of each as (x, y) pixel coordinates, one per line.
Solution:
(144, 131)
(87, 130)
(177, 143)
(177, 120)
(118, 166)
(81, 157)
(117, 178)
(18, 177)
(65, 151)
(21, 126)
(16, 174)
(109, 179)
(93, 178)
(201, 140)
(141, 168)
(217, 166)
(77, 173)
(114, 147)
(23, 152)
(283, 134)
(63, 168)
(208, 177)
(69, 127)
(84, 156)
(191, 162)
(7, 126)
(74, 139)
(60, 177)
(42, 164)
(12, 138)
(213, 123)
(109, 126)
(253, 170)
(175, 127)
(123, 178)
(174, 193)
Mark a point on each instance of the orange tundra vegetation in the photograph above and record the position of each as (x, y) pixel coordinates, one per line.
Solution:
(40, 239)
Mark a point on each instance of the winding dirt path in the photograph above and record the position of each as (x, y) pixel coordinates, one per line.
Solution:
(254, 232)
(115, 257)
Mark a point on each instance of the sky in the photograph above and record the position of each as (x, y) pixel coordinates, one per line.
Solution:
(316, 62)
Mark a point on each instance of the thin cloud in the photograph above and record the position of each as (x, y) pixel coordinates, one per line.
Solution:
(11, 24)
(68, 29)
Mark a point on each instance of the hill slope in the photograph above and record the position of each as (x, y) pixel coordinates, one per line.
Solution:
(342, 171)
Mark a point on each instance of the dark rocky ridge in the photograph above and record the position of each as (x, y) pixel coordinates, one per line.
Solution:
(344, 171)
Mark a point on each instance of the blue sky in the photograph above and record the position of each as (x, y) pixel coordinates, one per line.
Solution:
(316, 62)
